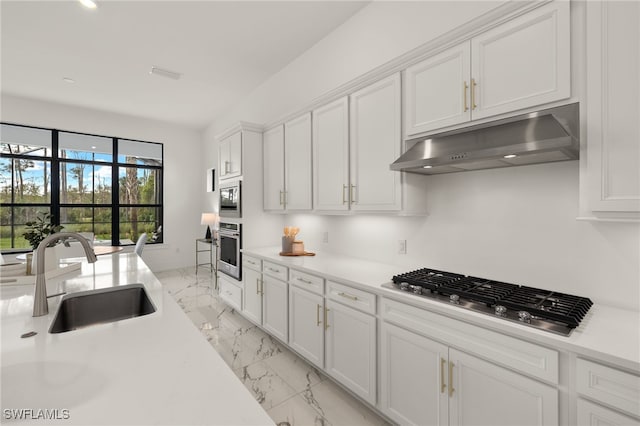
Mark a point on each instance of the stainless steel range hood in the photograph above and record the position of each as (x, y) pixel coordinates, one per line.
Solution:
(540, 137)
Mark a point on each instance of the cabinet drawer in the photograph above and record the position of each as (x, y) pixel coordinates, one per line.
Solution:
(275, 270)
(346, 295)
(528, 358)
(590, 414)
(231, 294)
(251, 262)
(306, 281)
(608, 385)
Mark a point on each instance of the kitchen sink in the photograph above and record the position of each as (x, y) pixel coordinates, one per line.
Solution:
(101, 306)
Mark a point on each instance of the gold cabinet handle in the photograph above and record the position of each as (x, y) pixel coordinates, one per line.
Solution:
(257, 285)
(451, 365)
(443, 385)
(348, 296)
(465, 88)
(351, 194)
(261, 287)
(344, 199)
(326, 323)
(303, 280)
(318, 307)
(281, 198)
(284, 203)
(473, 93)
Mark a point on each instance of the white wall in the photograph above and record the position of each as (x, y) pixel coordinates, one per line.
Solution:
(182, 183)
(517, 225)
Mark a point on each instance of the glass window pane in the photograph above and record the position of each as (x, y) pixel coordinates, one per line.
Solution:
(136, 220)
(102, 184)
(31, 181)
(6, 173)
(76, 184)
(85, 147)
(139, 186)
(142, 153)
(25, 140)
(88, 219)
(13, 220)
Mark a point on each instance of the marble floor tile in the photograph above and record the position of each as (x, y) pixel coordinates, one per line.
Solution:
(294, 370)
(338, 407)
(290, 389)
(268, 388)
(296, 412)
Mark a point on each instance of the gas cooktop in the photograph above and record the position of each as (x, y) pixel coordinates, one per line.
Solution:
(542, 309)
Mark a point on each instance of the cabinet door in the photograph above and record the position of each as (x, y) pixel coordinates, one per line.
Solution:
(235, 155)
(613, 105)
(306, 325)
(252, 307)
(274, 307)
(331, 156)
(297, 136)
(522, 63)
(590, 414)
(223, 159)
(437, 91)
(375, 143)
(485, 394)
(414, 378)
(351, 349)
(273, 166)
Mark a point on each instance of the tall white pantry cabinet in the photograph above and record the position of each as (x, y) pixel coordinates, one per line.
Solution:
(613, 108)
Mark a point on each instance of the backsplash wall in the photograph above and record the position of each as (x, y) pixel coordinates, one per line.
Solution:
(516, 225)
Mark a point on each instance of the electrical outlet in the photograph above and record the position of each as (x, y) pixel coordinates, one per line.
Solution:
(402, 246)
(325, 237)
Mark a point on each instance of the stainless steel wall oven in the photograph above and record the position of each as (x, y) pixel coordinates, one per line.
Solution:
(230, 235)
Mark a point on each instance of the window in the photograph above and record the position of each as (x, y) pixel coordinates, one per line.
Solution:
(108, 186)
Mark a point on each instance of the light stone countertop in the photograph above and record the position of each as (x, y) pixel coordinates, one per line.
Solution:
(608, 334)
(154, 369)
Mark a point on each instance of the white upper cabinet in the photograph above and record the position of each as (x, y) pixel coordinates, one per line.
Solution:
(613, 107)
(519, 64)
(230, 156)
(437, 90)
(375, 142)
(522, 63)
(297, 161)
(274, 190)
(331, 156)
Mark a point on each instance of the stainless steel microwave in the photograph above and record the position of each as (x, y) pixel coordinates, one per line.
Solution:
(231, 199)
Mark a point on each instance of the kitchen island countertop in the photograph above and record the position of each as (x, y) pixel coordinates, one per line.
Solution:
(154, 369)
(607, 333)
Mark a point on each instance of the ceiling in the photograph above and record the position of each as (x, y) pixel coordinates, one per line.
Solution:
(223, 49)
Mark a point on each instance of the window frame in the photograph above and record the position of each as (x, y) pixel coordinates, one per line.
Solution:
(55, 205)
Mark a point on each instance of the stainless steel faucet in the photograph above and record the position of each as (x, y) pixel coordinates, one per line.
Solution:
(40, 304)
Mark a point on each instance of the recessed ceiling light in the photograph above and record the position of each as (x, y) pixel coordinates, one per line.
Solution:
(68, 80)
(89, 4)
(427, 167)
(510, 156)
(93, 147)
(165, 73)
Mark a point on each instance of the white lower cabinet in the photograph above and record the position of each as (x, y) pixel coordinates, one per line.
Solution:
(351, 349)
(265, 299)
(274, 307)
(230, 293)
(590, 414)
(450, 387)
(252, 307)
(306, 324)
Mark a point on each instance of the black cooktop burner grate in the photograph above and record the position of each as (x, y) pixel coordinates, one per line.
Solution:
(479, 289)
(431, 279)
(561, 307)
